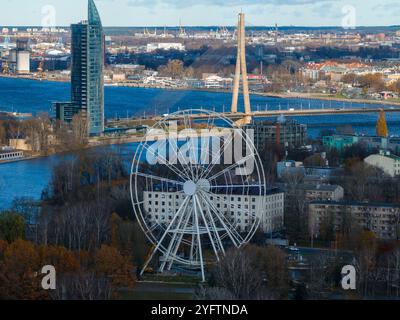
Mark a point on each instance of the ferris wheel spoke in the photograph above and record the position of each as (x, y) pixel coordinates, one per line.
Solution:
(233, 166)
(221, 149)
(236, 186)
(186, 122)
(226, 221)
(153, 177)
(207, 227)
(234, 236)
(173, 168)
(212, 163)
(208, 147)
(214, 226)
(176, 150)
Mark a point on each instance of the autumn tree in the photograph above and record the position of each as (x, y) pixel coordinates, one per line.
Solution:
(372, 81)
(175, 69)
(110, 263)
(65, 261)
(381, 126)
(12, 226)
(19, 272)
(349, 78)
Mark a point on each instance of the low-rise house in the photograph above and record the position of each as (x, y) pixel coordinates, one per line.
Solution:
(343, 141)
(389, 163)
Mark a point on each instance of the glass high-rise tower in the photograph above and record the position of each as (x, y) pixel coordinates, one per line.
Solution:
(87, 82)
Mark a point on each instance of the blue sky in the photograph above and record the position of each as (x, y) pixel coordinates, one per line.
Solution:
(204, 12)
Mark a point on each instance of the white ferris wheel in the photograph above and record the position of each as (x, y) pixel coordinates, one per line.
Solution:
(193, 203)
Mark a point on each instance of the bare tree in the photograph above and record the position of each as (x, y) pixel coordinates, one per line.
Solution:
(3, 134)
(83, 286)
(240, 275)
(79, 130)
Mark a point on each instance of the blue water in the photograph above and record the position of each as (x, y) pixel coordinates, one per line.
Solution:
(29, 178)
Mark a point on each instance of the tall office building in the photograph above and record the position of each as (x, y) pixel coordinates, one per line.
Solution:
(87, 82)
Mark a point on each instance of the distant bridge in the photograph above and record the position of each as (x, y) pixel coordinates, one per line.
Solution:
(264, 114)
(291, 113)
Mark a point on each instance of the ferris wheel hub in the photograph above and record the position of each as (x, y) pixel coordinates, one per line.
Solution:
(204, 185)
(190, 188)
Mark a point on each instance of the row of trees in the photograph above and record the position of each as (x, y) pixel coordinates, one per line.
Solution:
(371, 81)
(45, 136)
(262, 273)
(80, 275)
(83, 226)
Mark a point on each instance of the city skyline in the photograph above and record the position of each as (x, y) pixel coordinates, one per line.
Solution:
(206, 13)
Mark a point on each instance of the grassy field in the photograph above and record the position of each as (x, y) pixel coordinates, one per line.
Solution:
(155, 287)
(137, 295)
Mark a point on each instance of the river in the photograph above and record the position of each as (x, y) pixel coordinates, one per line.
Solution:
(29, 178)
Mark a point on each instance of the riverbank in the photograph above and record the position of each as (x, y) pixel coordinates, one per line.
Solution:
(97, 143)
(285, 95)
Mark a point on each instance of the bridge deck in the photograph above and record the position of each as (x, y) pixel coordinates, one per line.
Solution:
(272, 113)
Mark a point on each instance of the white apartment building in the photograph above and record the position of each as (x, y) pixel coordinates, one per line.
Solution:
(381, 218)
(389, 163)
(239, 209)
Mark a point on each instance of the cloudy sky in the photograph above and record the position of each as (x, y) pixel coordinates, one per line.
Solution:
(204, 12)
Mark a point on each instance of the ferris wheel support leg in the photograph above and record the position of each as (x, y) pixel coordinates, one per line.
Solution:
(196, 217)
(174, 245)
(179, 241)
(184, 203)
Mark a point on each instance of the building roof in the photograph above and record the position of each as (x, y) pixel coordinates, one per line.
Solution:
(93, 14)
(355, 203)
(389, 155)
(313, 186)
(243, 191)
